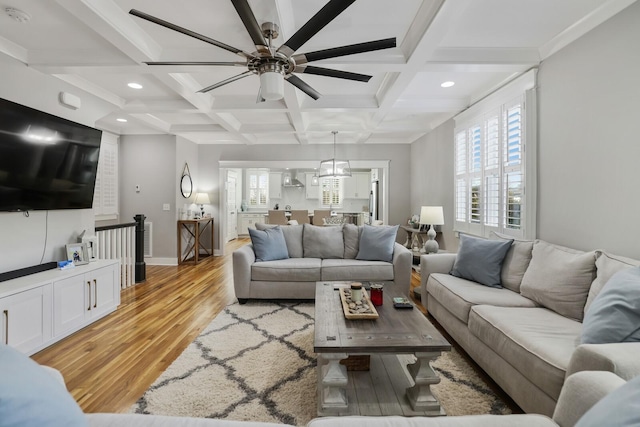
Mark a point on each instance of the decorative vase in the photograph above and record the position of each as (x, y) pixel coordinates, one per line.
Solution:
(243, 206)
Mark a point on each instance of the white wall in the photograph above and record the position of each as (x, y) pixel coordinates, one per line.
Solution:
(432, 178)
(150, 161)
(589, 106)
(22, 239)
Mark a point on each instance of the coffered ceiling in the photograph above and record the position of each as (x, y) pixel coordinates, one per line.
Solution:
(480, 45)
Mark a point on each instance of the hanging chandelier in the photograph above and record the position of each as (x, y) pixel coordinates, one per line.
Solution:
(334, 168)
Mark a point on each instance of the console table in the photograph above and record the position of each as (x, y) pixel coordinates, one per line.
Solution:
(192, 231)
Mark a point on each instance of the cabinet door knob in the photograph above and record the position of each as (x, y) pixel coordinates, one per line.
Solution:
(6, 327)
(89, 284)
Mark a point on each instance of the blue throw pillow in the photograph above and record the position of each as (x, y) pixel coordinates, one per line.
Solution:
(480, 260)
(30, 396)
(376, 243)
(269, 244)
(614, 315)
(620, 408)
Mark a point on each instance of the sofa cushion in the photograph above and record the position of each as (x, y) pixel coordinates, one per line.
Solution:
(377, 242)
(269, 244)
(515, 262)
(322, 242)
(606, 266)
(459, 295)
(621, 407)
(535, 341)
(480, 260)
(350, 269)
(292, 235)
(351, 233)
(559, 278)
(615, 313)
(287, 270)
(31, 396)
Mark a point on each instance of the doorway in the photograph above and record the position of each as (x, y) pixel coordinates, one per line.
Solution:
(232, 205)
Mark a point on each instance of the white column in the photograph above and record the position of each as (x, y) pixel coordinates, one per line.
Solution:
(420, 396)
(332, 381)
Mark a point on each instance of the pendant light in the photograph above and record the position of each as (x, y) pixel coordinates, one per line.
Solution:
(334, 168)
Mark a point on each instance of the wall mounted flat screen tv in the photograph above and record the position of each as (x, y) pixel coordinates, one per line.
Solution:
(46, 162)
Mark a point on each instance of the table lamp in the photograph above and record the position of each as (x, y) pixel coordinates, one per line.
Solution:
(202, 199)
(431, 215)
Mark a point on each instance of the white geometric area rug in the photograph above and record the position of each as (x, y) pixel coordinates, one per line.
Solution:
(255, 362)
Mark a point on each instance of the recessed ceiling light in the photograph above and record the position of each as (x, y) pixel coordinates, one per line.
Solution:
(448, 84)
(135, 85)
(121, 120)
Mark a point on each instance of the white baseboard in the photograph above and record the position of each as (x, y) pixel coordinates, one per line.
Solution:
(161, 261)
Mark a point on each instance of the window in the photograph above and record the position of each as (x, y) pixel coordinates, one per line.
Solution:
(257, 188)
(331, 192)
(105, 197)
(493, 191)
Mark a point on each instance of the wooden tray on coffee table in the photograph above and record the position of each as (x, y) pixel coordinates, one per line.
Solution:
(365, 301)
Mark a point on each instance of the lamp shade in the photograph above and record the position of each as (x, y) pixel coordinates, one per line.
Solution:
(431, 215)
(334, 168)
(271, 85)
(202, 199)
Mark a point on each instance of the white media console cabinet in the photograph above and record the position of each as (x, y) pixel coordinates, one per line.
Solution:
(39, 309)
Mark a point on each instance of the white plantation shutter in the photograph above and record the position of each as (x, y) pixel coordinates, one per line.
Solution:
(257, 187)
(490, 171)
(331, 192)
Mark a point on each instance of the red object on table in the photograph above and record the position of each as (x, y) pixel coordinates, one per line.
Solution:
(376, 294)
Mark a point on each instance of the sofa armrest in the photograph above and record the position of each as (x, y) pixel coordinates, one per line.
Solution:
(434, 263)
(580, 392)
(620, 358)
(402, 267)
(243, 259)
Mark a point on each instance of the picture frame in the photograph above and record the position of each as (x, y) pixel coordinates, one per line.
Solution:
(92, 247)
(78, 253)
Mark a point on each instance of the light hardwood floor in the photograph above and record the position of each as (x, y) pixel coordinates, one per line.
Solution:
(108, 365)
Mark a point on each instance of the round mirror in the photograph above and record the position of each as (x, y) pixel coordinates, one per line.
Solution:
(186, 186)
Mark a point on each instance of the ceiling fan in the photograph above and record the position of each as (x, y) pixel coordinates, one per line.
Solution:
(274, 66)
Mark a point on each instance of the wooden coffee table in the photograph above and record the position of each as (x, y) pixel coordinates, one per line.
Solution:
(401, 343)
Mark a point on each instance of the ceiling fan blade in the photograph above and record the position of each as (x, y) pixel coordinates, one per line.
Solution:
(190, 33)
(297, 82)
(250, 23)
(351, 49)
(226, 81)
(317, 22)
(233, 64)
(332, 73)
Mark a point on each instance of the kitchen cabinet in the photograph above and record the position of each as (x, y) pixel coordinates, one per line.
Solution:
(26, 318)
(42, 308)
(275, 185)
(357, 186)
(249, 220)
(311, 191)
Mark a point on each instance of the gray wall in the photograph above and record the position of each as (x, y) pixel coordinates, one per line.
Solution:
(588, 148)
(399, 173)
(432, 178)
(22, 239)
(589, 105)
(150, 161)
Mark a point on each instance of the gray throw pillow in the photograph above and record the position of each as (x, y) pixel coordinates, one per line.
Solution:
(480, 260)
(269, 244)
(620, 408)
(606, 266)
(559, 278)
(322, 242)
(376, 243)
(292, 235)
(515, 262)
(351, 240)
(614, 316)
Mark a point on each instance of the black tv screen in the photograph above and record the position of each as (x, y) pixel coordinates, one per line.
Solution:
(46, 162)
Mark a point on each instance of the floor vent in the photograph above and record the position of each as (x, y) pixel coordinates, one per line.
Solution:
(148, 239)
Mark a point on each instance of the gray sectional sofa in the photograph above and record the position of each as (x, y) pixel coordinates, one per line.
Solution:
(315, 253)
(527, 335)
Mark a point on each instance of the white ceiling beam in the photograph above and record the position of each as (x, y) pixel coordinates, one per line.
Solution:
(430, 105)
(116, 26)
(464, 55)
(87, 86)
(197, 127)
(14, 50)
(457, 67)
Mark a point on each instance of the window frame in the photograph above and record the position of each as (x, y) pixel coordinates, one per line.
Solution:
(258, 173)
(338, 192)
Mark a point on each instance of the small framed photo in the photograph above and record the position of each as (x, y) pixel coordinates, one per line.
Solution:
(77, 252)
(92, 247)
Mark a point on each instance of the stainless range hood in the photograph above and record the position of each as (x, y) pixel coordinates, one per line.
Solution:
(289, 180)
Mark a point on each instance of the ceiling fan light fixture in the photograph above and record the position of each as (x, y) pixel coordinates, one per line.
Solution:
(272, 85)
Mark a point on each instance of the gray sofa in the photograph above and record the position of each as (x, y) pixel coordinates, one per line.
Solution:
(526, 336)
(315, 253)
